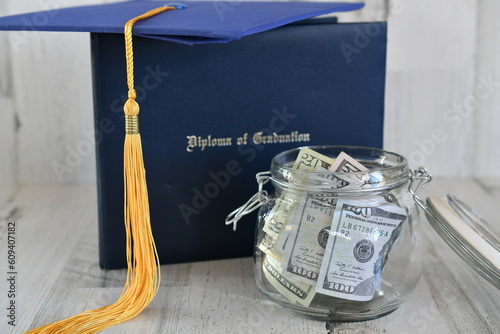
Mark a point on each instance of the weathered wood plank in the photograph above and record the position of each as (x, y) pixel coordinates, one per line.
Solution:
(53, 97)
(8, 153)
(49, 222)
(8, 138)
(5, 72)
(430, 70)
(54, 104)
(371, 12)
(487, 155)
(492, 188)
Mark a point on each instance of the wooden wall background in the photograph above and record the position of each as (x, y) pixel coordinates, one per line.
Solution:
(442, 100)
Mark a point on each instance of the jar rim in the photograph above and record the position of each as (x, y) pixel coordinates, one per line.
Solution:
(393, 167)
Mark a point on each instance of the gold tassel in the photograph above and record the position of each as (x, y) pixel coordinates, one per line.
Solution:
(143, 274)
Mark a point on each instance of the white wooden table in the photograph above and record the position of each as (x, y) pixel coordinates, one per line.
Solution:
(57, 275)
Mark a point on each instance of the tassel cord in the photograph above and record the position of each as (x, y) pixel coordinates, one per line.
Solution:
(143, 266)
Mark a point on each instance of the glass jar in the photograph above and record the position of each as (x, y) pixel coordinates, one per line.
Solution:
(342, 245)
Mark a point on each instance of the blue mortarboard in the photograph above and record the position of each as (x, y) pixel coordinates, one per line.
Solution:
(197, 22)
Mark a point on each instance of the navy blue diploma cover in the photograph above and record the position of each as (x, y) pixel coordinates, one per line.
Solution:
(214, 114)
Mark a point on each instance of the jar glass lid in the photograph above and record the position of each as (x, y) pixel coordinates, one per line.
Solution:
(468, 234)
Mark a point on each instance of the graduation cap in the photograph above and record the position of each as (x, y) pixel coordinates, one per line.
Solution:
(186, 23)
(196, 21)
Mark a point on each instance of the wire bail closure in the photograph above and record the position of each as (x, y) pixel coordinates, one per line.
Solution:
(424, 178)
(255, 202)
(419, 178)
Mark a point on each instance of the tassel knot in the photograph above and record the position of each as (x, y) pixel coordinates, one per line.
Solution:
(131, 108)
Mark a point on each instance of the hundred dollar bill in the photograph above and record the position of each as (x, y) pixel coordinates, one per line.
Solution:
(304, 252)
(293, 290)
(356, 246)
